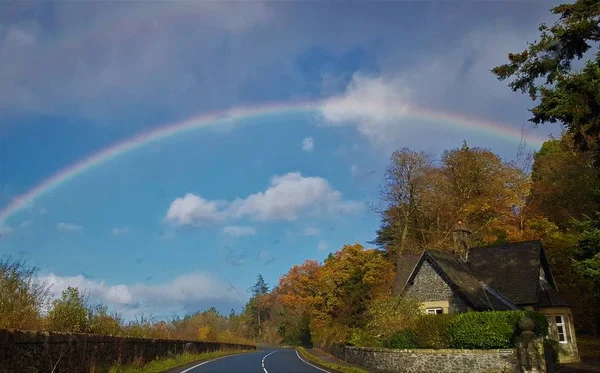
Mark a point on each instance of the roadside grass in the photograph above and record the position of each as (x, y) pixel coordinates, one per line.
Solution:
(325, 364)
(161, 365)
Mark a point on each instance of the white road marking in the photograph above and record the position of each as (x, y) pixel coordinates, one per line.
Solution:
(206, 362)
(263, 360)
(306, 362)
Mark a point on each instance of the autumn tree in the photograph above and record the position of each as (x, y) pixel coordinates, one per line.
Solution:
(485, 192)
(565, 185)
(102, 321)
(257, 307)
(69, 313)
(22, 297)
(298, 294)
(471, 184)
(350, 281)
(404, 182)
(545, 71)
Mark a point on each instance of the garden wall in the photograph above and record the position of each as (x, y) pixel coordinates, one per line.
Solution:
(427, 361)
(41, 352)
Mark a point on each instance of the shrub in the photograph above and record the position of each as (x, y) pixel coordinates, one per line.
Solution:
(22, 298)
(101, 321)
(364, 338)
(294, 329)
(389, 315)
(327, 335)
(493, 329)
(404, 339)
(541, 323)
(69, 313)
(431, 331)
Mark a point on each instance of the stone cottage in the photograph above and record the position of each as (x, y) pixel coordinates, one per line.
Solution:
(513, 276)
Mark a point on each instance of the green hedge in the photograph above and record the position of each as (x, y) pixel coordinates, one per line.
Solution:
(403, 339)
(431, 331)
(471, 330)
(494, 329)
(541, 323)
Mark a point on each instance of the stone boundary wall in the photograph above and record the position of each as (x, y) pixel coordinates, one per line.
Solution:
(427, 361)
(46, 352)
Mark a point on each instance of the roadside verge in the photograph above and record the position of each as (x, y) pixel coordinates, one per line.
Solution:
(177, 364)
(322, 360)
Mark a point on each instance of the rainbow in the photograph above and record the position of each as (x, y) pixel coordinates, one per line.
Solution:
(174, 129)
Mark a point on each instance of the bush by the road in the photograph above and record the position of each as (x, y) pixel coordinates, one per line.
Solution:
(22, 297)
(403, 339)
(472, 330)
(431, 331)
(495, 329)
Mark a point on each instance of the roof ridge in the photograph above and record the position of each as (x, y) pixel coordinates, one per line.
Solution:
(506, 244)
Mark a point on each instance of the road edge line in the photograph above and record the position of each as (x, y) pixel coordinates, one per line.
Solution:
(208, 361)
(306, 362)
(262, 362)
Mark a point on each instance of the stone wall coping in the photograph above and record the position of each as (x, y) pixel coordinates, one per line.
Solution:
(33, 336)
(452, 351)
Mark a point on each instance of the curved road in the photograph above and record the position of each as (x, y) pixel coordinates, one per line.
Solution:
(267, 361)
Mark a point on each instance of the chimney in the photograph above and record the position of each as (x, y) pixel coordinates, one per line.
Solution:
(460, 234)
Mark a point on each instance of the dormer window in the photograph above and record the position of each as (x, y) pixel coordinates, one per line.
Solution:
(434, 311)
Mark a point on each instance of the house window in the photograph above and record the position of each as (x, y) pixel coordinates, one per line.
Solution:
(560, 328)
(434, 311)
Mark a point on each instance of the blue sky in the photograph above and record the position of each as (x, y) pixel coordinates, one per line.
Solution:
(188, 222)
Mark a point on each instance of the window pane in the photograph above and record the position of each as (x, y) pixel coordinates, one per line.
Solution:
(438, 311)
(560, 328)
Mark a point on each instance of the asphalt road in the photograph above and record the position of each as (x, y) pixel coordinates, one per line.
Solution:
(267, 361)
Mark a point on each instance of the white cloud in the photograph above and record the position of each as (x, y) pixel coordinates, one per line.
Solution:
(120, 294)
(187, 289)
(68, 227)
(43, 211)
(5, 230)
(290, 195)
(238, 231)
(322, 246)
(120, 231)
(287, 197)
(312, 231)
(97, 290)
(371, 103)
(354, 170)
(308, 144)
(193, 210)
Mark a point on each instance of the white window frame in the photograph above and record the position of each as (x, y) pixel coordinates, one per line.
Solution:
(562, 325)
(434, 311)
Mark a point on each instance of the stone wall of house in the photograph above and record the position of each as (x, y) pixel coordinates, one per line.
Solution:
(46, 352)
(429, 286)
(427, 361)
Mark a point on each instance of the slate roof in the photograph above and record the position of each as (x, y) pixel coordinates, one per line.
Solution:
(511, 269)
(404, 268)
(548, 296)
(459, 273)
(498, 277)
